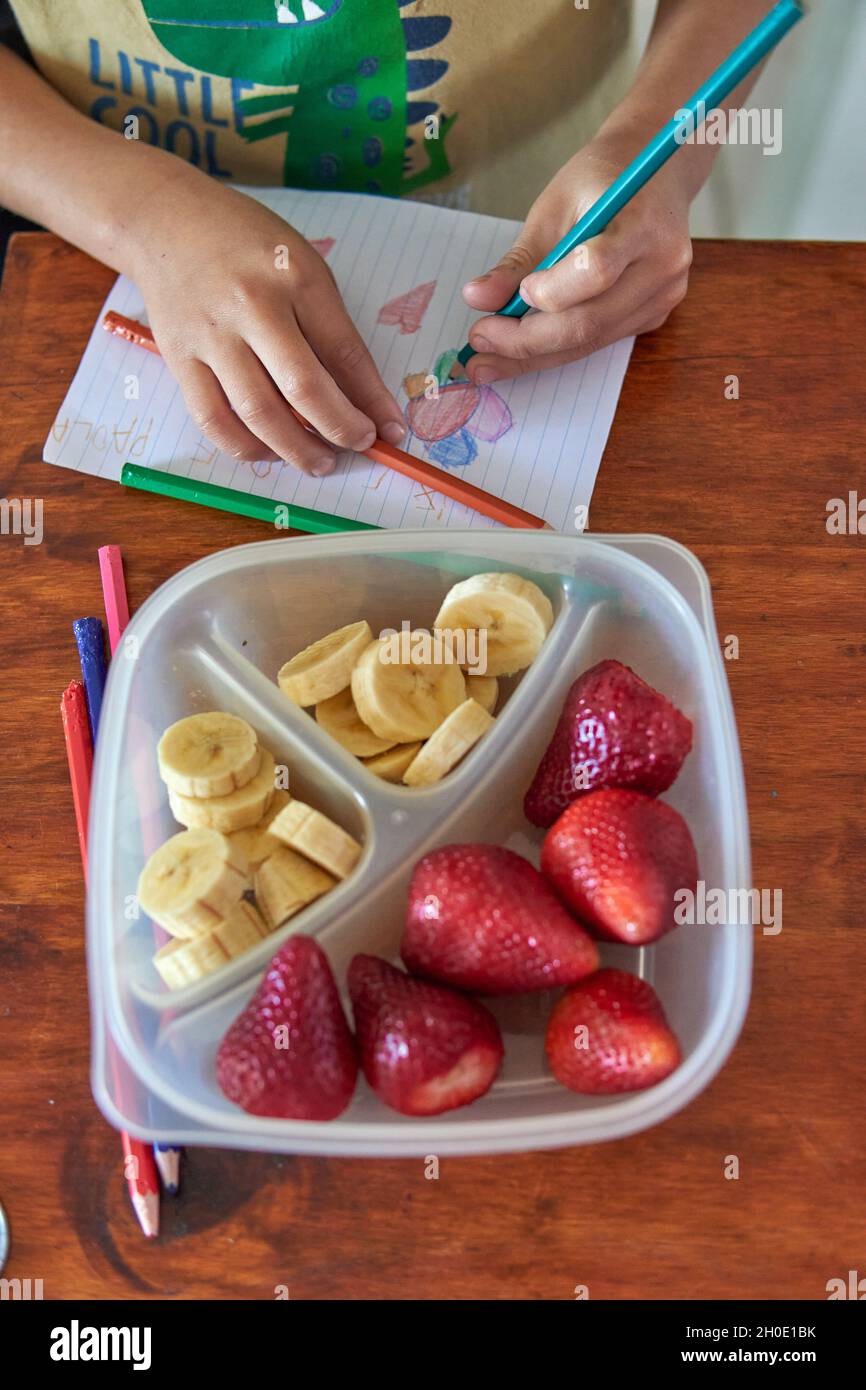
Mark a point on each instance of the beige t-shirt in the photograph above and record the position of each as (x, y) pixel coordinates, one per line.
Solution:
(473, 102)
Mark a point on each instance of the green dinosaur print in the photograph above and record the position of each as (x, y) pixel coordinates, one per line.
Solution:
(344, 74)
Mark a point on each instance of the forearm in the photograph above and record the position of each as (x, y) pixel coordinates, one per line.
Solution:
(689, 39)
(80, 179)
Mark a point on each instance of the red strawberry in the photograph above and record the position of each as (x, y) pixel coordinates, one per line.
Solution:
(290, 1054)
(614, 731)
(483, 919)
(617, 858)
(609, 1033)
(424, 1049)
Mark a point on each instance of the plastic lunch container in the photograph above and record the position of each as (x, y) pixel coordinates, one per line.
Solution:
(214, 636)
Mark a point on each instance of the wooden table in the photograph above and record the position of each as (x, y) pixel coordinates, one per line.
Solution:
(745, 483)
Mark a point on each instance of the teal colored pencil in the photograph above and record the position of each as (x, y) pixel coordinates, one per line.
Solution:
(745, 56)
(286, 515)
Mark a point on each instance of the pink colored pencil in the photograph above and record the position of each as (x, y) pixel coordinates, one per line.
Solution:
(79, 755)
(167, 1161)
(113, 592)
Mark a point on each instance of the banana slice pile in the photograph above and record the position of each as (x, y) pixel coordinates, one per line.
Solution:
(411, 720)
(250, 857)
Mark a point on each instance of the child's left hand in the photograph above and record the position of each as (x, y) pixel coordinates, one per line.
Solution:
(625, 280)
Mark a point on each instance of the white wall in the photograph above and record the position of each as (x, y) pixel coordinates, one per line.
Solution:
(815, 188)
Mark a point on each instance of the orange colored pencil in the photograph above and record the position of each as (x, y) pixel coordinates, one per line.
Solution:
(131, 331)
(379, 451)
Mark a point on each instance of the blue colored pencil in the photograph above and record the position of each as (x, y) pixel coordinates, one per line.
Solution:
(168, 1162)
(91, 653)
(745, 56)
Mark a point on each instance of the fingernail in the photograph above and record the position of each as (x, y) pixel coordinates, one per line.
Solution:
(323, 466)
(480, 343)
(526, 295)
(394, 431)
(479, 279)
(483, 376)
(365, 441)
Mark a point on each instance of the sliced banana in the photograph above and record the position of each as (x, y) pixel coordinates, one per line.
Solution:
(287, 882)
(391, 765)
(256, 843)
(484, 689)
(193, 881)
(208, 754)
(404, 701)
(513, 612)
(181, 963)
(178, 965)
(325, 668)
(239, 809)
(242, 928)
(316, 837)
(451, 741)
(340, 717)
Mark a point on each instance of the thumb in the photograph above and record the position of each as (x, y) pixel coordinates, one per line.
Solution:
(490, 291)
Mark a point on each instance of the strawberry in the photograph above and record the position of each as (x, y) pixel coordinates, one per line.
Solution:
(424, 1048)
(609, 1033)
(290, 1054)
(481, 918)
(617, 858)
(614, 731)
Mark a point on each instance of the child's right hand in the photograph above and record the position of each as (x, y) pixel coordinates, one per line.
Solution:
(243, 337)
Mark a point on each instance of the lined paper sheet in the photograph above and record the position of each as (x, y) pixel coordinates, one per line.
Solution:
(536, 441)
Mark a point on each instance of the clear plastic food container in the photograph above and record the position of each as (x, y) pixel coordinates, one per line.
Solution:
(214, 636)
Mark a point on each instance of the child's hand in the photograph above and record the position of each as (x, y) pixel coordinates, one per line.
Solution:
(625, 280)
(243, 336)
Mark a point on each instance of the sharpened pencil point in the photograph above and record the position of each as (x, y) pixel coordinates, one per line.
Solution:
(168, 1163)
(146, 1207)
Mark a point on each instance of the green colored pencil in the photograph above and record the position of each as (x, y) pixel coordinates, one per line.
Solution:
(286, 515)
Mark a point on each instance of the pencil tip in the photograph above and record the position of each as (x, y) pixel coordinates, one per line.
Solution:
(146, 1207)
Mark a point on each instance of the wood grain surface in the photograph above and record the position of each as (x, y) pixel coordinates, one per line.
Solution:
(744, 483)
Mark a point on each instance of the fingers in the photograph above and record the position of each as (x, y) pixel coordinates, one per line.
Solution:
(211, 413)
(585, 273)
(621, 312)
(490, 291)
(264, 414)
(301, 378)
(341, 350)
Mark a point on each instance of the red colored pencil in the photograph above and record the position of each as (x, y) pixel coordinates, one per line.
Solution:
(427, 474)
(141, 1176)
(142, 1179)
(79, 755)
